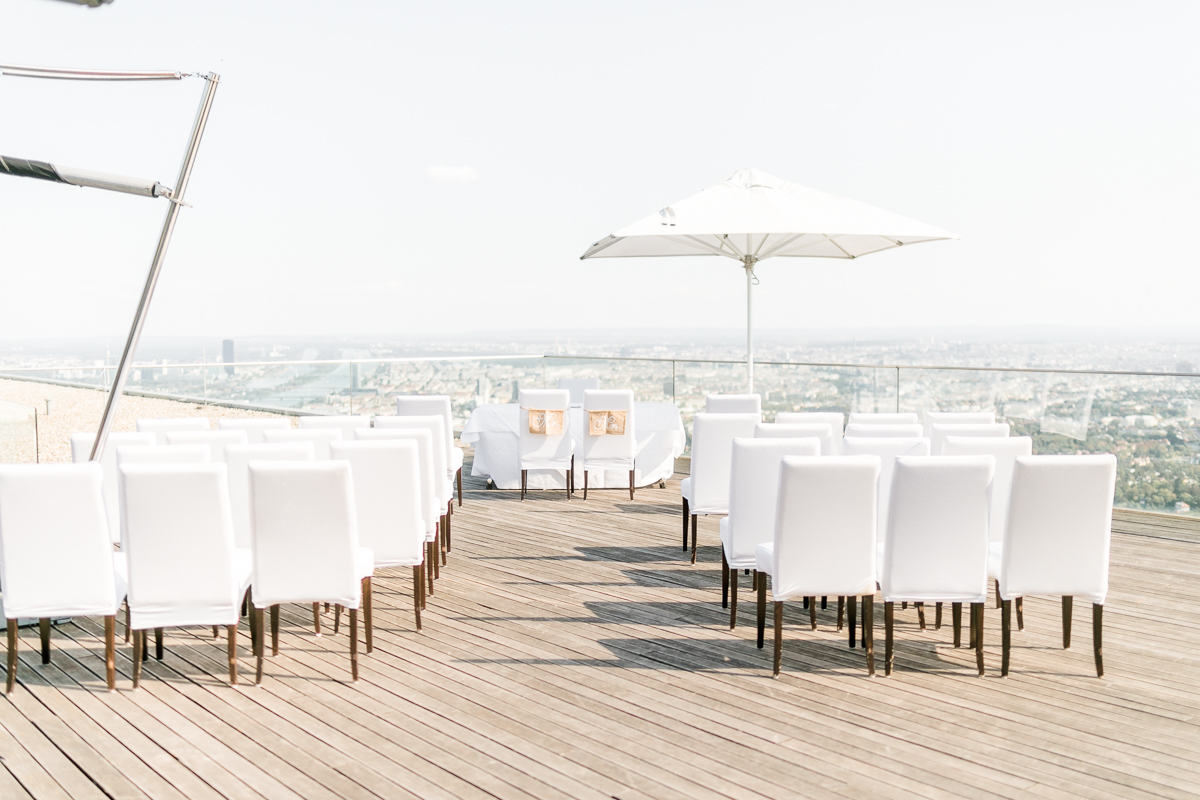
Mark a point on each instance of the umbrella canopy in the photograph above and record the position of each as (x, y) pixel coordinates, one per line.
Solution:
(751, 216)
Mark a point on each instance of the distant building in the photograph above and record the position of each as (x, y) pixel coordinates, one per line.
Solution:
(1185, 366)
(1181, 507)
(227, 355)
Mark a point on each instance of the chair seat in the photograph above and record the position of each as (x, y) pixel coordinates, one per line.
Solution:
(764, 558)
(546, 463)
(608, 463)
(745, 562)
(456, 459)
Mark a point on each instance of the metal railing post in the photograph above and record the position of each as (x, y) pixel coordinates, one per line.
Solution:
(897, 390)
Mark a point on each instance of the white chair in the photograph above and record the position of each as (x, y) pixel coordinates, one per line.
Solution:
(545, 451)
(237, 462)
(215, 441)
(705, 491)
(577, 386)
(183, 567)
(1057, 539)
(938, 433)
(813, 430)
(387, 495)
(254, 426)
(161, 427)
(937, 541)
(871, 418)
(161, 454)
(956, 418)
(423, 405)
(608, 450)
(346, 424)
(887, 451)
(430, 511)
(836, 420)
(733, 404)
(305, 543)
(81, 451)
(822, 543)
(753, 488)
(56, 557)
(1006, 450)
(859, 430)
(443, 489)
(318, 437)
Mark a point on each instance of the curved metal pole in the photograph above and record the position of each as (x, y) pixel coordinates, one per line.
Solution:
(160, 254)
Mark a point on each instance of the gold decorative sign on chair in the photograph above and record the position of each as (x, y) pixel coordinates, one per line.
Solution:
(601, 423)
(549, 423)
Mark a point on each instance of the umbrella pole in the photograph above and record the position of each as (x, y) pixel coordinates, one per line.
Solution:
(749, 326)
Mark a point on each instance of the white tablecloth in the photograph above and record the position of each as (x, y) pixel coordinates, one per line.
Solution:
(492, 431)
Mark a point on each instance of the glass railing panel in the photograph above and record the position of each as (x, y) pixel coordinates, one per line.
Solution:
(798, 387)
(652, 381)
(18, 433)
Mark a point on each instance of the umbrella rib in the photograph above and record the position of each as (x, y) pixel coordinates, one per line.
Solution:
(835, 244)
(760, 245)
(781, 245)
(599, 246)
(715, 250)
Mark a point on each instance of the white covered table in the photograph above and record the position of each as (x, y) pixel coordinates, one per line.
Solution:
(492, 431)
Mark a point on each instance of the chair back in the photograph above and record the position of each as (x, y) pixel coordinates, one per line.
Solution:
(577, 386)
(888, 450)
(1006, 450)
(420, 405)
(318, 437)
(178, 538)
(1059, 527)
(436, 425)
(386, 474)
(825, 526)
(161, 454)
(431, 509)
(609, 450)
(346, 424)
(56, 556)
(305, 534)
(161, 427)
(936, 544)
(215, 441)
(857, 429)
(733, 404)
(254, 426)
(542, 451)
(956, 418)
(940, 432)
(753, 487)
(712, 454)
(812, 430)
(834, 419)
(81, 451)
(237, 462)
(872, 418)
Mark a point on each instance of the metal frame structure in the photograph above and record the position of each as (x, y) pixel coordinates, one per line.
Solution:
(128, 185)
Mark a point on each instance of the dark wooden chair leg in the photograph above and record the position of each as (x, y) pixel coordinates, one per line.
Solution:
(354, 644)
(937, 617)
(869, 631)
(904, 606)
(260, 635)
(417, 595)
(337, 618)
(977, 612)
(920, 614)
(806, 604)
(841, 611)
(1067, 603)
(435, 548)
(110, 652)
(449, 525)
(367, 621)
(733, 587)
(430, 568)
(889, 618)
(956, 618)
(778, 636)
(231, 652)
(126, 622)
(1020, 614)
(571, 480)
(216, 631)
(145, 644)
(996, 581)
(317, 618)
(685, 524)
(812, 612)
(275, 629)
(724, 579)
(458, 477)
(44, 631)
(824, 602)
(971, 627)
(762, 607)
(158, 644)
(139, 643)
(852, 617)
(1005, 635)
(694, 538)
(631, 487)
(585, 484)
(1097, 634)
(524, 479)
(12, 656)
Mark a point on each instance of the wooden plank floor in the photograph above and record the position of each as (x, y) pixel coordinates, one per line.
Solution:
(570, 651)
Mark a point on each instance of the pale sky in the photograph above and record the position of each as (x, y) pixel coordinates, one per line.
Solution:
(399, 168)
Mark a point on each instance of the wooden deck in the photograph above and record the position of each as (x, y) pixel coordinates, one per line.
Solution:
(571, 652)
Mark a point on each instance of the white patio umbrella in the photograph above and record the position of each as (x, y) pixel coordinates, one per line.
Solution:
(751, 216)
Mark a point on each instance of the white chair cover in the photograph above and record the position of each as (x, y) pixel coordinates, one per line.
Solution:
(820, 431)
(161, 454)
(577, 386)
(1005, 450)
(869, 418)
(430, 509)
(81, 451)
(443, 487)
(541, 451)
(318, 437)
(305, 534)
(1059, 527)
(733, 404)
(857, 429)
(888, 450)
(609, 451)
(161, 427)
(937, 540)
(387, 495)
(178, 539)
(956, 418)
(216, 441)
(940, 432)
(237, 461)
(56, 556)
(346, 424)
(707, 488)
(254, 426)
(415, 405)
(753, 489)
(835, 419)
(823, 538)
